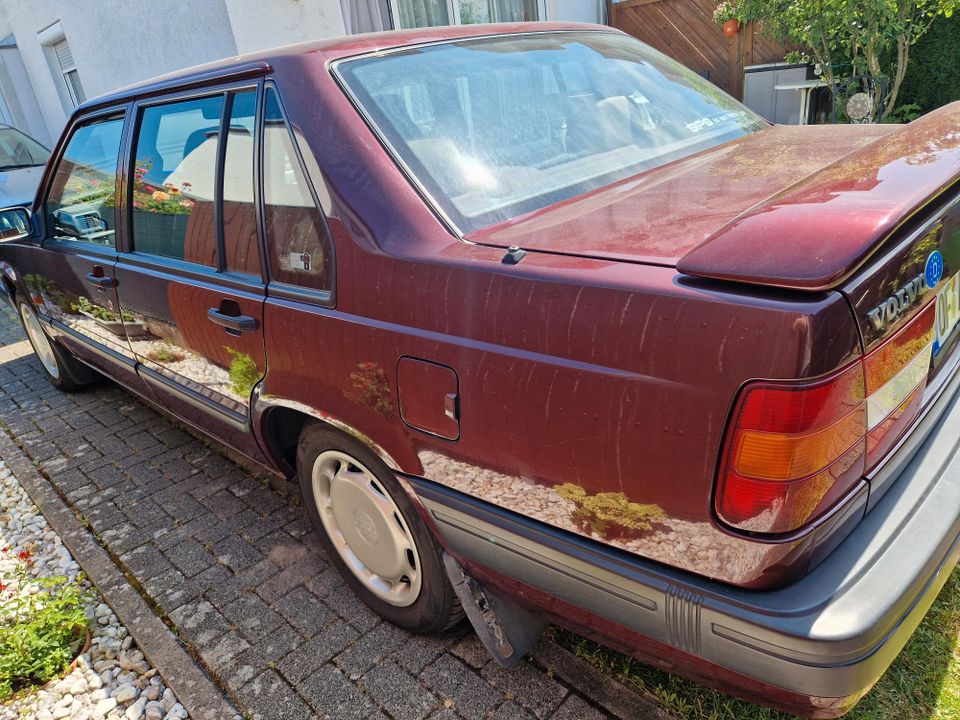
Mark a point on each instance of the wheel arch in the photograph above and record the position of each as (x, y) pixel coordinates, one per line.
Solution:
(278, 424)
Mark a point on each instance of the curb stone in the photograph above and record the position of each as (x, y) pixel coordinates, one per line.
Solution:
(196, 692)
(614, 697)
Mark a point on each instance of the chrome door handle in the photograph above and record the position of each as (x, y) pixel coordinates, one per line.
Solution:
(237, 323)
(101, 281)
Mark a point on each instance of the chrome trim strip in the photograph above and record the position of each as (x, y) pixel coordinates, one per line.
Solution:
(234, 419)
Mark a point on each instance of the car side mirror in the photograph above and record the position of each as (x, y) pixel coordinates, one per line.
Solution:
(14, 223)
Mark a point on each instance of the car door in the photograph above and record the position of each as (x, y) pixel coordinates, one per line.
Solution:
(191, 266)
(71, 275)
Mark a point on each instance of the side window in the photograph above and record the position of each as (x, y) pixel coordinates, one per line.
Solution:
(240, 243)
(80, 204)
(174, 178)
(296, 235)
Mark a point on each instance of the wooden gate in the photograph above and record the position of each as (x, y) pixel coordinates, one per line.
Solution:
(685, 30)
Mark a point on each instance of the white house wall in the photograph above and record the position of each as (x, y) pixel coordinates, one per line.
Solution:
(260, 25)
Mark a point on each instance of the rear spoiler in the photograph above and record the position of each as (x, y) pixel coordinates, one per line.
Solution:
(817, 233)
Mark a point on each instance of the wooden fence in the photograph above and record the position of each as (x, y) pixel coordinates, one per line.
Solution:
(685, 30)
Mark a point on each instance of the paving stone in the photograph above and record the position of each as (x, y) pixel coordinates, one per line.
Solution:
(269, 698)
(252, 617)
(223, 593)
(575, 708)
(351, 608)
(285, 581)
(224, 528)
(471, 651)
(304, 611)
(224, 503)
(145, 562)
(219, 652)
(236, 553)
(398, 692)
(189, 557)
(279, 643)
(334, 697)
(511, 711)
(201, 622)
(283, 549)
(318, 650)
(370, 649)
(450, 679)
(421, 650)
(532, 688)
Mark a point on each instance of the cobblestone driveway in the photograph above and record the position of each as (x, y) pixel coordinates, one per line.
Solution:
(236, 568)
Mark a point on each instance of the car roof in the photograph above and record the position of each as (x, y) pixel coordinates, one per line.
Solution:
(260, 63)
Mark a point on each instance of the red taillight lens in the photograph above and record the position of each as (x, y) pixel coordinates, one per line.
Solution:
(794, 449)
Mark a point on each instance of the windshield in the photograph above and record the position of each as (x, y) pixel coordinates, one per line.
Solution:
(497, 127)
(19, 150)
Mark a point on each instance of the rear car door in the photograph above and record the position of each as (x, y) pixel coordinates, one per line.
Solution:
(72, 280)
(191, 267)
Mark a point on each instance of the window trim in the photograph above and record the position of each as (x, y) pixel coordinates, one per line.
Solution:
(277, 288)
(453, 12)
(115, 112)
(129, 249)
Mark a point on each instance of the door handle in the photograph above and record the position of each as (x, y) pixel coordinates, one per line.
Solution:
(101, 281)
(237, 323)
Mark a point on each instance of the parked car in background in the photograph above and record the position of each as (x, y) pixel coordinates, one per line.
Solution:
(547, 327)
(21, 165)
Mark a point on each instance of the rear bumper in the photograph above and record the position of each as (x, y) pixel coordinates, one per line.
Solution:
(829, 636)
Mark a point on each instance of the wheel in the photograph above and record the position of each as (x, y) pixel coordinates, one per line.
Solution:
(372, 532)
(62, 370)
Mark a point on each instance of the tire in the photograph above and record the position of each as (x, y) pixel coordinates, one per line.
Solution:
(63, 370)
(367, 523)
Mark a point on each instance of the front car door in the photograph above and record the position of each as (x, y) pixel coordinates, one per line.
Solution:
(191, 267)
(71, 275)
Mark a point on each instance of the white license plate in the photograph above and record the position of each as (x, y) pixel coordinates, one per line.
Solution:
(948, 312)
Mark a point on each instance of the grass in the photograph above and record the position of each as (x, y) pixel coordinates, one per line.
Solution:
(922, 683)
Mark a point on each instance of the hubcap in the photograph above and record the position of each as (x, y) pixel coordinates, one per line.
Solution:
(40, 341)
(366, 528)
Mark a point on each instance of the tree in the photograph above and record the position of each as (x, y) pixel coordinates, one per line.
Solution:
(867, 38)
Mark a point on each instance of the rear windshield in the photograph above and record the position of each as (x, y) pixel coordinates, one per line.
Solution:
(497, 127)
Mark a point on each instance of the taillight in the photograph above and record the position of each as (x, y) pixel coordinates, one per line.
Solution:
(794, 449)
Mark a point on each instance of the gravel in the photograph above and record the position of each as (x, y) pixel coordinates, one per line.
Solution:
(112, 680)
(686, 544)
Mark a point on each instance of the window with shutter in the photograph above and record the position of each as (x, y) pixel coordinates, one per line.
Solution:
(69, 70)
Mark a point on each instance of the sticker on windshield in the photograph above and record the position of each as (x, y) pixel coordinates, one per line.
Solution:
(710, 121)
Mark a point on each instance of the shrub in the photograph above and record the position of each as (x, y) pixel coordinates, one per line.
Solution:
(41, 628)
(83, 305)
(244, 373)
(165, 354)
(610, 511)
(933, 76)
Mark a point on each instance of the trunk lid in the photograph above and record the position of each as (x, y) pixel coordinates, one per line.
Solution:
(817, 233)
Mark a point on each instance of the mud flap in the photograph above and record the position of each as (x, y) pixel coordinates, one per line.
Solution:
(506, 630)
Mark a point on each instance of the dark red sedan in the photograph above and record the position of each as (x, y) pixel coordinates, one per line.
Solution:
(549, 329)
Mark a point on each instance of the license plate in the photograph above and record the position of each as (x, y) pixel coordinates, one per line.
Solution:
(948, 312)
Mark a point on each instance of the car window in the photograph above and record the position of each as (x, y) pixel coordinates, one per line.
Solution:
(497, 127)
(174, 178)
(80, 204)
(19, 150)
(296, 234)
(240, 236)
